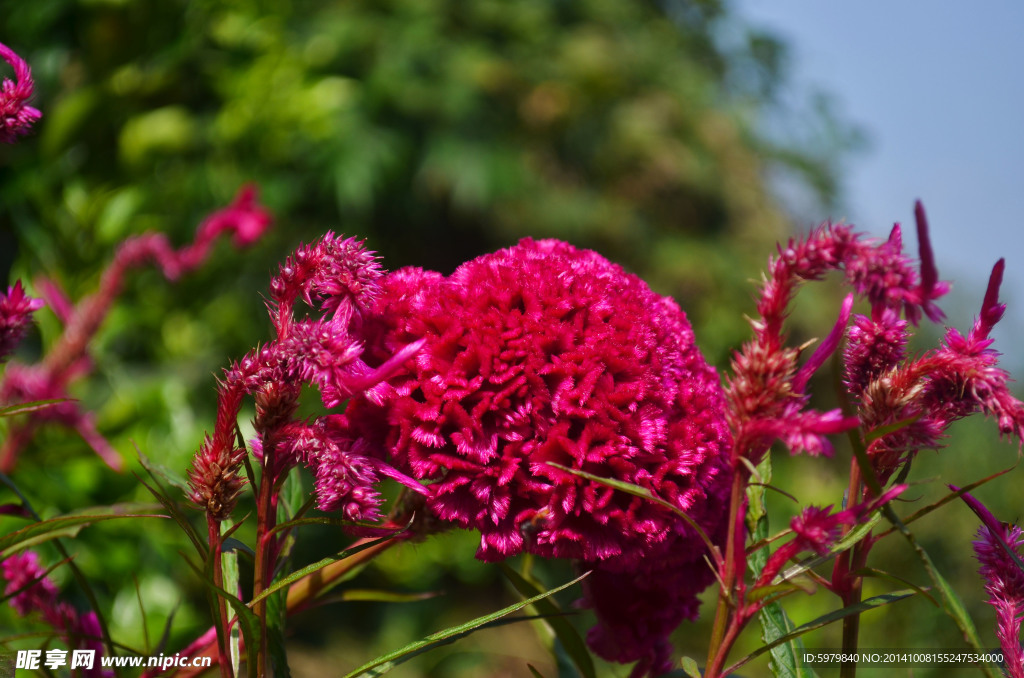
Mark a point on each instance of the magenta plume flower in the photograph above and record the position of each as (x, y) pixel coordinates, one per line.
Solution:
(999, 551)
(16, 309)
(68, 360)
(32, 592)
(337, 277)
(927, 394)
(539, 357)
(16, 116)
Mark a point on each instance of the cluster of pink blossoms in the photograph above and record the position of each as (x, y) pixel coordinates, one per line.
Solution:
(16, 309)
(32, 592)
(16, 116)
(338, 278)
(543, 355)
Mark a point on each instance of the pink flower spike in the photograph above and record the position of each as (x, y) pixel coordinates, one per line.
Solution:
(987, 519)
(826, 349)
(991, 310)
(998, 549)
(245, 217)
(929, 273)
(16, 116)
(930, 287)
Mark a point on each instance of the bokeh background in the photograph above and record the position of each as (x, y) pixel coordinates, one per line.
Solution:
(680, 139)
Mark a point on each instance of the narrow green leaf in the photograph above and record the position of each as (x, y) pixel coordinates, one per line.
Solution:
(336, 522)
(381, 596)
(229, 572)
(171, 506)
(888, 576)
(292, 498)
(952, 496)
(276, 615)
(68, 525)
(385, 663)
(534, 672)
(876, 433)
(165, 636)
(775, 623)
(247, 620)
(761, 592)
(318, 565)
(233, 546)
(157, 470)
(826, 619)
(953, 606)
(566, 633)
(25, 408)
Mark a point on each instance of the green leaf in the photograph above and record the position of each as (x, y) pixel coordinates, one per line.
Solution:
(171, 507)
(157, 470)
(826, 619)
(951, 603)
(534, 672)
(381, 596)
(336, 522)
(276, 616)
(25, 408)
(952, 496)
(318, 565)
(68, 525)
(229, 572)
(247, 620)
(574, 646)
(888, 576)
(690, 667)
(876, 433)
(385, 663)
(775, 623)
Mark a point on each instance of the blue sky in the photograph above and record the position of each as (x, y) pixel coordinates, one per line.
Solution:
(938, 88)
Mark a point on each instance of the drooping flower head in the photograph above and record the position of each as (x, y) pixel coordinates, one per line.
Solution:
(16, 116)
(542, 356)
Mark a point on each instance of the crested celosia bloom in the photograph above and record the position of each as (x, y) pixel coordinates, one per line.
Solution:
(541, 356)
(244, 219)
(999, 551)
(16, 116)
(32, 592)
(16, 310)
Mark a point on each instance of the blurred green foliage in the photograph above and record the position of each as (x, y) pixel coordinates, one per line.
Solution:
(436, 129)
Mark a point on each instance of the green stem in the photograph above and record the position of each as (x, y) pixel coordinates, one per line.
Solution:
(221, 619)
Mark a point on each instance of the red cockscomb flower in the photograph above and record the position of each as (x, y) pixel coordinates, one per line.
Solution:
(543, 355)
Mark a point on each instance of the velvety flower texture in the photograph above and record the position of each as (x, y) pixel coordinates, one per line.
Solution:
(543, 355)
